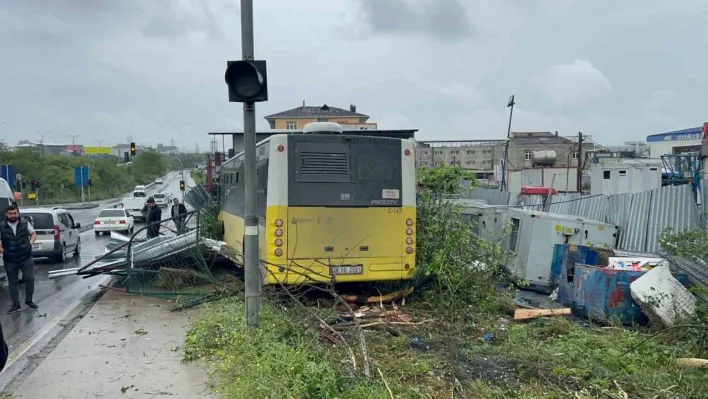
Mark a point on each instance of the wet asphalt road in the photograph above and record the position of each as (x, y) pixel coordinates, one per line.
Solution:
(55, 296)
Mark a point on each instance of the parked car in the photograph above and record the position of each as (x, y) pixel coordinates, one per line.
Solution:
(158, 180)
(139, 191)
(57, 233)
(161, 199)
(113, 220)
(134, 206)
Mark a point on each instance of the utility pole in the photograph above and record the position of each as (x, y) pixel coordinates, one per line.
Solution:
(579, 177)
(251, 255)
(505, 167)
(73, 143)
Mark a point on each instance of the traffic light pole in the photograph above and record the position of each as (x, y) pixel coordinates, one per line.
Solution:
(251, 255)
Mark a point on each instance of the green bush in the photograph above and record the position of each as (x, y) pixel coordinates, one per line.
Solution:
(109, 178)
(279, 360)
(450, 255)
(209, 223)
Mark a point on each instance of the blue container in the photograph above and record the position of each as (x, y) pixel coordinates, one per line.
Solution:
(603, 294)
(565, 256)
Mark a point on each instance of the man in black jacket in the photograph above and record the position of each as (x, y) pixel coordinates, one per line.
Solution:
(17, 237)
(154, 217)
(4, 350)
(178, 215)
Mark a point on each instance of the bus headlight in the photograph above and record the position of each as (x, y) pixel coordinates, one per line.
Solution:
(409, 222)
(409, 231)
(409, 250)
(278, 242)
(278, 222)
(278, 252)
(409, 240)
(278, 232)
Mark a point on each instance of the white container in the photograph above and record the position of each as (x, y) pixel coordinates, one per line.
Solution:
(534, 234)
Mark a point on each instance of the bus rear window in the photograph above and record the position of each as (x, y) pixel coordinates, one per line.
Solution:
(344, 171)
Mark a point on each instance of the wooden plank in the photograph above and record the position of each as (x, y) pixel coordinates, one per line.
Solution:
(524, 314)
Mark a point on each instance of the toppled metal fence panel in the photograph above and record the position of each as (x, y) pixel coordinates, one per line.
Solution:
(696, 269)
(672, 207)
(198, 197)
(491, 196)
(634, 235)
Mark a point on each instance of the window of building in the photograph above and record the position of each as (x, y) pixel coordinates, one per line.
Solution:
(527, 155)
(488, 161)
(606, 175)
(575, 155)
(623, 173)
(438, 152)
(514, 235)
(469, 162)
(470, 152)
(291, 125)
(437, 163)
(454, 152)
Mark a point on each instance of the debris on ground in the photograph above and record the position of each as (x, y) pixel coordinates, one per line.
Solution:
(692, 362)
(662, 298)
(525, 314)
(394, 321)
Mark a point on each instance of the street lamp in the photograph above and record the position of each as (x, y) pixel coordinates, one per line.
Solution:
(181, 165)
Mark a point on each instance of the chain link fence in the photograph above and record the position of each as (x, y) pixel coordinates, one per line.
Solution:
(172, 260)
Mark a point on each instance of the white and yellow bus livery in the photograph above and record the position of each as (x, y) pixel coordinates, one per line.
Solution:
(329, 205)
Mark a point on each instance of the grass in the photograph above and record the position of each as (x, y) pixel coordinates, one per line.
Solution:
(546, 358)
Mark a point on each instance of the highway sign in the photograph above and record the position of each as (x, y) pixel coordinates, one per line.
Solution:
(81, 175)
(32, 195)
(8, 173)
(98, 150)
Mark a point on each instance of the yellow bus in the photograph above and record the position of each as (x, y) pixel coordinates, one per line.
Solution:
(330, 206)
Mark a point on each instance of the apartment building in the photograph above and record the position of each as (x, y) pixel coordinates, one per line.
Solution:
(484, 155)
(297, 118)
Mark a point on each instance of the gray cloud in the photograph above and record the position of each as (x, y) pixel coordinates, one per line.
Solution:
(441, 19)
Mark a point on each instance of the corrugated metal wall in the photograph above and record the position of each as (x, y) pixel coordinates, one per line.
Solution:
(641, 217)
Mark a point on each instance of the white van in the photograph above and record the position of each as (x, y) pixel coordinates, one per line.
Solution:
(139, 192)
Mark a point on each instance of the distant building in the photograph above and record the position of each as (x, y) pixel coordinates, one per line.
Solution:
(46, 148)
(686, 141)
(120, 150)
(484, 156)
(617, 176)
(297, 118)
(167, 149)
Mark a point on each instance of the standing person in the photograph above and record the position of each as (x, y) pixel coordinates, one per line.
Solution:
(178, 214)
(17, 237)
(154, 217)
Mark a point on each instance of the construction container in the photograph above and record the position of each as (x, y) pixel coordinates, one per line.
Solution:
(489, 221)
(602, 294)
(534, 234)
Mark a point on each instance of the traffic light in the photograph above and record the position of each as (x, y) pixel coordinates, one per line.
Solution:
(181, 185)
(126, 157)
(34, 185)
(38, 183)
(132, 149)
(89, 182)
(247, 81)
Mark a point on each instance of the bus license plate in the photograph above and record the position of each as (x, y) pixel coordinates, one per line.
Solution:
(338, 270)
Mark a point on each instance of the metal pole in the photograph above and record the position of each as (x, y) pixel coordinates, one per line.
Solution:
(81, 168)
(251, 256)
(505, 168)
(579, 177)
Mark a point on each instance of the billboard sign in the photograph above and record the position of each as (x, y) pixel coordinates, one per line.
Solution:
(98, 150)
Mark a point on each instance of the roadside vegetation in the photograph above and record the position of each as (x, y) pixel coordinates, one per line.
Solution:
(198, 175)
(453, 337)
(109, 179)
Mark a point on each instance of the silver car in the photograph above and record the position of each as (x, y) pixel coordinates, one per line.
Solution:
(57, 233)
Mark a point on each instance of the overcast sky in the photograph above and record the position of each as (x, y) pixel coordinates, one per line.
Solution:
(153, 70)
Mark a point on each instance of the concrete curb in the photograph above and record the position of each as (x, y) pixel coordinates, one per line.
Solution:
(78, 208)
